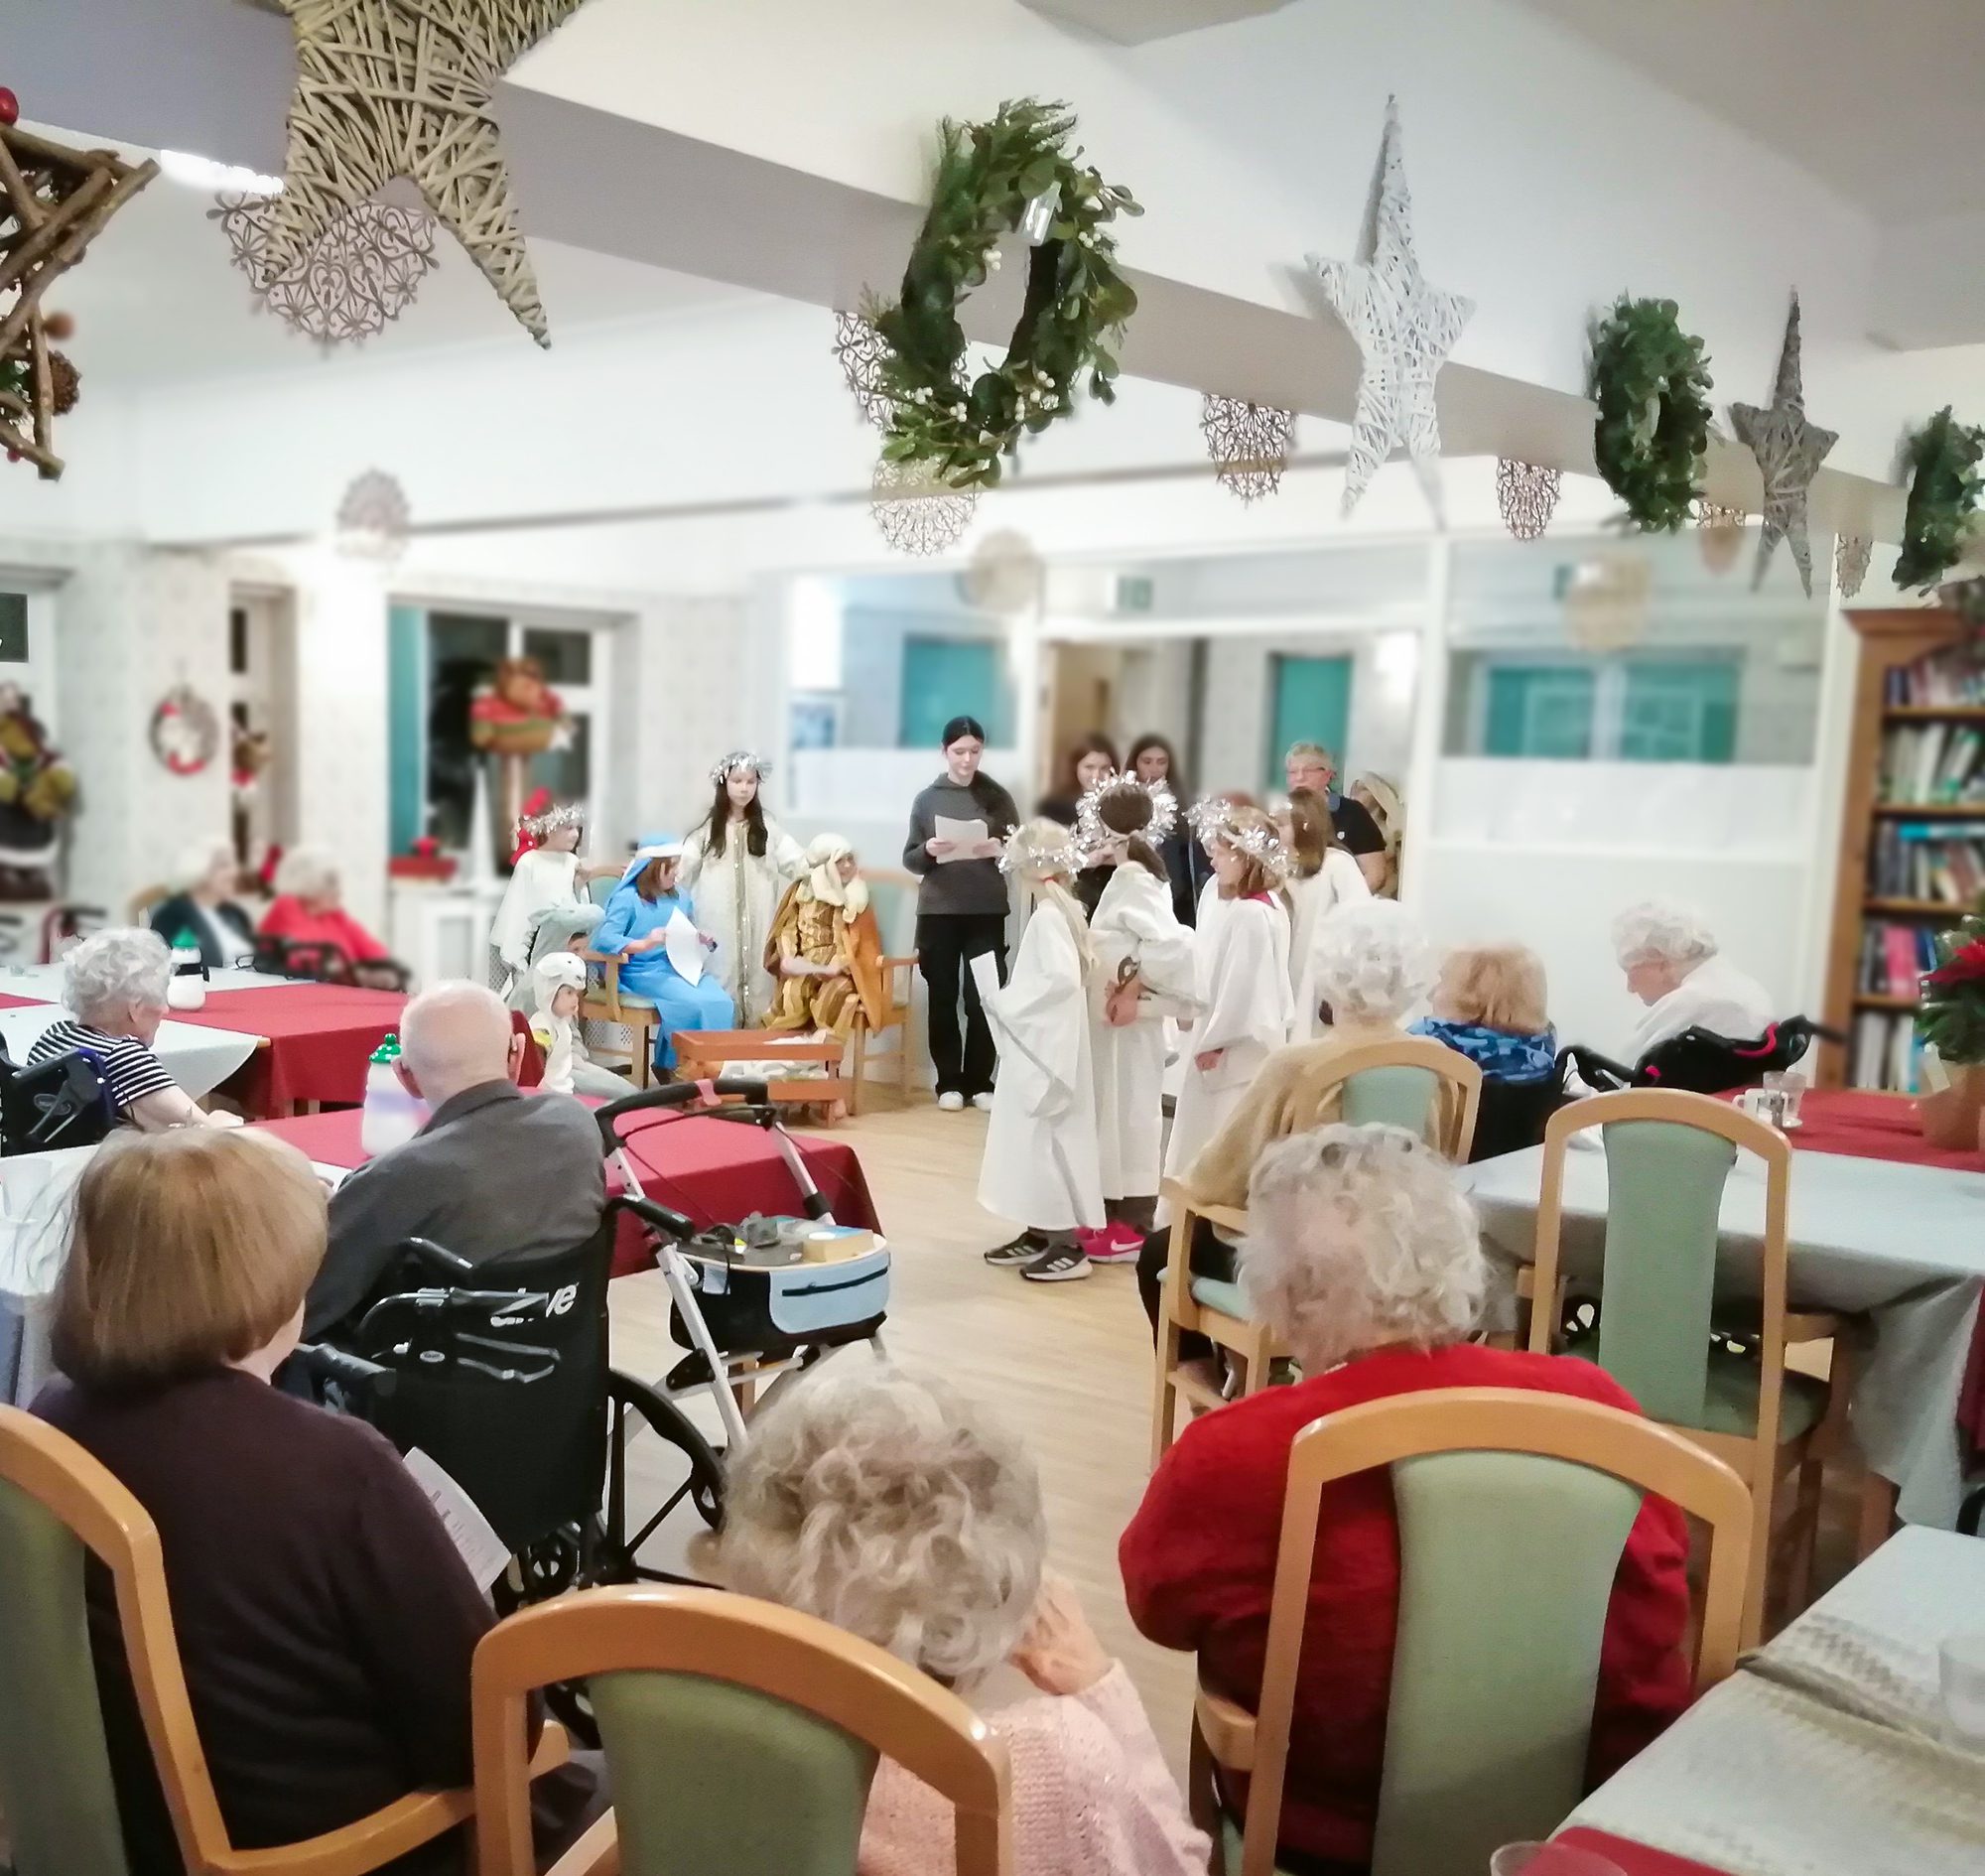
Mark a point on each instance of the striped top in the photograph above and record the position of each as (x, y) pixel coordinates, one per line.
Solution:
(129, 1070)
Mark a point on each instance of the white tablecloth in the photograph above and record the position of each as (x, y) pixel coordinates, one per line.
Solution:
(1821, 1755)
(1904, 1244)
(35, 1195)
(44, 981)
(198, 1060)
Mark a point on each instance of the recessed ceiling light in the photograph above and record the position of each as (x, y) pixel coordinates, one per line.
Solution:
(204, 173)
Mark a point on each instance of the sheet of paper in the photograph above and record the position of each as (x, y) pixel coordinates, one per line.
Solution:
(332, 1177)
(481, 1548)
(683, 944)
(967, 834)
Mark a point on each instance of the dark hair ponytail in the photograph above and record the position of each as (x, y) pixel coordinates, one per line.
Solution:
(1127, 812)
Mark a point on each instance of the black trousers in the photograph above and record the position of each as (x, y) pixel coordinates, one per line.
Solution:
(946, 942)
(1210, 1256)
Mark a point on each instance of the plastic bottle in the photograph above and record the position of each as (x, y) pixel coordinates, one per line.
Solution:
(391, 1115)
(187, 988)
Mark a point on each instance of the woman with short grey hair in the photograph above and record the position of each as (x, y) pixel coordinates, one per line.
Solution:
(114, 987)
(201, 907)
(1364, 1257)
(1673, 964)
(900, 1510)
(1372, 963)
(309, 913)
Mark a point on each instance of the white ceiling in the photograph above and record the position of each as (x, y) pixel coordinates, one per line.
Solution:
(157, 301)
(1878, 99)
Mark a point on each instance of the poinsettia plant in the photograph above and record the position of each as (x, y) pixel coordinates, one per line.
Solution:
(1952, 1016)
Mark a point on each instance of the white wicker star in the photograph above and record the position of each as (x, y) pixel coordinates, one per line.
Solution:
(401, 87)
(1789, 451)
(1404, 329)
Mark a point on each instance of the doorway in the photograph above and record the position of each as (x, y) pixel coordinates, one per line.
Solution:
(1310, 702)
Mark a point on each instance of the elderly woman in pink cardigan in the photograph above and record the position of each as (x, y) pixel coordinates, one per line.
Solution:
(905, 1514)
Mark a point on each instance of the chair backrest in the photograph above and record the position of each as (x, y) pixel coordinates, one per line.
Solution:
(1668, 1158)
(1398, 1082)
(1493, 1672)
(602, 888)
(740, 1737)
(56, 1501)
(893, 895)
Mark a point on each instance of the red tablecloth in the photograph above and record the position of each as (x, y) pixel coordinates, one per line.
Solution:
(320, 1037)
(1868, 1126)
(712, 1172)
(1635, 1859)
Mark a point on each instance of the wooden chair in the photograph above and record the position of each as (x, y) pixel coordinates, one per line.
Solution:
(740, 1738)
(703, 1054)
(57, 1503)
(1514, 1508)
(603, 1002)
(138, 911)
(898, 976)
(1668, 1158)
(1396, 1082)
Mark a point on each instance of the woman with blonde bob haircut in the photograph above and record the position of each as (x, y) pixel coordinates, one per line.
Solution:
(907, 1514)
(1364, 1258)
(324, 1616)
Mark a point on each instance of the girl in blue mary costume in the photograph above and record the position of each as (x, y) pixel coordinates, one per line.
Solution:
(660, 959)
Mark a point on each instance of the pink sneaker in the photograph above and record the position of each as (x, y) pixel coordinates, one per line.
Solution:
(1096, 1245)
(1115, 1243)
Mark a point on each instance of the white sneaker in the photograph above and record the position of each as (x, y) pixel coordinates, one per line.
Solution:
(983, 1102)
(951, 1103)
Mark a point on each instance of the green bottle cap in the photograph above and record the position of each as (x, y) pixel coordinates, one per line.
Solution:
(388, 1050)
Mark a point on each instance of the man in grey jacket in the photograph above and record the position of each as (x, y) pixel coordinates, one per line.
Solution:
(495, 1172)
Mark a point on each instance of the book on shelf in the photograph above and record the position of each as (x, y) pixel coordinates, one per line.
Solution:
(1927, 860)
(1931, 764)
(1894, 957)
(1884, 1053)
(1947, 680)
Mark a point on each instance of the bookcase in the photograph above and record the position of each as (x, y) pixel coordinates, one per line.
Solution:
(1912, 835)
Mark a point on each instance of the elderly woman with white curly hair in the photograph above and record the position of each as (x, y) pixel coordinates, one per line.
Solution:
(1672, 965)
(114, 987)
(903, 1513)
(1364, 1258)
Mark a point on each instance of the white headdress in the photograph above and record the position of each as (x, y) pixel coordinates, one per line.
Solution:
(541, 827)
(1093, 832)
(1214, 820)
(720, 772)
(1040, 846)
(824, 854)
(554, 972)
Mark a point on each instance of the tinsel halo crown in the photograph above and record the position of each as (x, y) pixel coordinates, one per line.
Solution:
(719, 773)
(1213, 820)
(1029, 848)
(1091, 831)
(541, 827)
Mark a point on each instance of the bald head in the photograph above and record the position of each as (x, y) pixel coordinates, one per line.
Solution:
(453, 1038)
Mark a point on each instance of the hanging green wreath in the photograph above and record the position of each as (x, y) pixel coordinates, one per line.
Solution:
(1944, 491)
(987, 175)
(1651, 382)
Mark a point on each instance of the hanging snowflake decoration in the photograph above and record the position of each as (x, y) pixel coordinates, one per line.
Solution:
(356, 277)
(916, 512)
(374, 520)
(861, 351)
(1526, 493)
(1250, 444)
(1851, 555)
(1720, 533)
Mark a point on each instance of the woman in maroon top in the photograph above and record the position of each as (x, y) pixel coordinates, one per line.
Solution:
(325, 1618)
(1364, 1258)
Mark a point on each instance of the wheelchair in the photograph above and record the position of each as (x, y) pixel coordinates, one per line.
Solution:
(53, 1104)
(1699, 1061)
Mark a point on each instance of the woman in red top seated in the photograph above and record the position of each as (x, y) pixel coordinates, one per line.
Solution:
(1364, 1258)
(309, 909)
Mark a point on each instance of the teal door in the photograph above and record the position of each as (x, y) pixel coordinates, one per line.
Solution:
(945, 678)
(406, 724)
(1310, 702)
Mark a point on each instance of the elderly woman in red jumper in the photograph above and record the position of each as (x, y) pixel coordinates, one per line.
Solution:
(1365, 1259)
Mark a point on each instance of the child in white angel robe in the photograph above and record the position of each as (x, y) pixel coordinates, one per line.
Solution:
(736, 867)
(1043, 1166)
(1134, 928)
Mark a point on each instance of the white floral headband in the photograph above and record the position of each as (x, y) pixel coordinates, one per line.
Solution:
(720, 772)
(541, 827)
(1213, 820)
(1024, 853)
(1091, 833)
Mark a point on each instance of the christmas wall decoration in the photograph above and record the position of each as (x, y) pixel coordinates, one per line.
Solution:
(54, 202)
(916, 511)
(1851, 555)
(1651, 382)
(1607, 601)
(1006, 577)
(374, 520)
(1404, 329)
(517, 713)
(1526, 493)
(401, 87)
(38, 793)
(1012, 175)
(184, 733)
(1789, 451)
(1250, 444)
(1719, 535)
(1944, 490)
(351, 281)
(859, 350)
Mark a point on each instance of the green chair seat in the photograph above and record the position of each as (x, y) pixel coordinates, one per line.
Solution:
(1229, 1838)
(1212, 1292)
(1730, 1397)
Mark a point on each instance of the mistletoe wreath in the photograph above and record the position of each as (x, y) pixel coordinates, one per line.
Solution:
(1651, 382)
(1944, 492)
(1012, 173)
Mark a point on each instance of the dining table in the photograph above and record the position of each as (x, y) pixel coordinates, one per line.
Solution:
(1827, 1752)
(1895, 1237)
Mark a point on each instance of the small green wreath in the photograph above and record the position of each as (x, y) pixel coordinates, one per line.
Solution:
(1944, 491)
(1651, 382)
(1076, 303)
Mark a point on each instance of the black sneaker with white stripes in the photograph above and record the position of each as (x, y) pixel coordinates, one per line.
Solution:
(1026, 1248)
(1065, 1264)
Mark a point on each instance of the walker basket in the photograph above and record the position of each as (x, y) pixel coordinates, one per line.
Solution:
(755, 1299)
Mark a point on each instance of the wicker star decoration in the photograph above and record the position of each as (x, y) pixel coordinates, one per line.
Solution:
(1404, 328)
(1789, 451)
(401, 87)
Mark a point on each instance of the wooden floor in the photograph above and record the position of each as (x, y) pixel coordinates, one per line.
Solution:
(1068, 1364)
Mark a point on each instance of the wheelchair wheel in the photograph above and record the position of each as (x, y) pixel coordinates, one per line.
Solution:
(653, 1452)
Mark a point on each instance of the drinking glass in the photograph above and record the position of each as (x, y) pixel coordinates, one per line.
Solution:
(1790, 1085)
(1550, 1859)
(1960, 1665)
